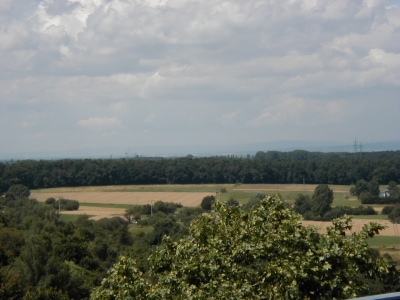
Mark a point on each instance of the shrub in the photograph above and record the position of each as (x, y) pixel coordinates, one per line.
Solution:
(394, 215)
(50, 201)
(387, 210)
(66, 204)
(207, 202)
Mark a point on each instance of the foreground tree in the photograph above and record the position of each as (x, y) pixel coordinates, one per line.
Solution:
(264, 253)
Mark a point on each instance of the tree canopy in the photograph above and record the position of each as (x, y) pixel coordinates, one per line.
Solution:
(264, 253)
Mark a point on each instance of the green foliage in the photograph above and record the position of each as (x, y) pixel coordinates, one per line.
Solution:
(254, 200)
(387, 210)
(42, 257)
(264, 253)
(371, 199)
(66, 204)
(318, 206)
(232, 202)
(18, 190)
(361, 186)
(394, 215)
(322, 199)
(373, 187)
(41, 293)
(207, 202)
(266, 167)
(340, 211)
(50, 201)
(124, 282)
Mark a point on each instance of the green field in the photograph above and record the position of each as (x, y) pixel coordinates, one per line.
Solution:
(70, 218)
(125, 206)
(384, 241)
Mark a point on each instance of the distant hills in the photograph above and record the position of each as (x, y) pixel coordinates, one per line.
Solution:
(203, 150)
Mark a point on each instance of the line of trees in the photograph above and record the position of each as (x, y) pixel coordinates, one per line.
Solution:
(269, 167)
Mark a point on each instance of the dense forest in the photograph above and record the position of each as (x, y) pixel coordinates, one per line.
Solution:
(264, 167)
(44, 257)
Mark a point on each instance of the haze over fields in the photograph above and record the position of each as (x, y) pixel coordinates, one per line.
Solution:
(153, 74)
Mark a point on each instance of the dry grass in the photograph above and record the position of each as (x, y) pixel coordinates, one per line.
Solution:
(97, 212)
(132, 198)
(391, 230)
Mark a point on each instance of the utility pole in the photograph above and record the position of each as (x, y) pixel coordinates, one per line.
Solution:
(355, 145)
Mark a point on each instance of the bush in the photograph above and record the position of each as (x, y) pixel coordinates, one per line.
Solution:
(222, 190)
(394, 215)
(207, 202)
(370, 199)
(50, 201)
(66, 204)
(232, 202)
(387, 210)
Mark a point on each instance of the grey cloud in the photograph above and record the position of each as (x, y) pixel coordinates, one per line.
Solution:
(170, 68)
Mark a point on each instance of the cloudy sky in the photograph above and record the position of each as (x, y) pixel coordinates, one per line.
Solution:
(80, 74)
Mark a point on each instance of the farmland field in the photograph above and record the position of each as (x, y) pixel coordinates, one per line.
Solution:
(132, 198)
(110, 201)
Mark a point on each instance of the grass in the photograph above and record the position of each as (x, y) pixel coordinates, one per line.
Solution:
(70, 218)
(384, 241)
(125, 206)
(136, 229)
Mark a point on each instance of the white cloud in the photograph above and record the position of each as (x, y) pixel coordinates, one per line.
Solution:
(195, 66)
(229, 118)
(298, 111)
(96, 122)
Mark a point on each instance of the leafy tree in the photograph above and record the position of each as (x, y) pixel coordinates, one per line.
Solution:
(361, 186)
(18, 190)
(394, 215)
(387, 210)
(373, 187)
(302, 204)
(393, 189)
(207, 202)
(124, 282)
(265, 253)
(322, 199)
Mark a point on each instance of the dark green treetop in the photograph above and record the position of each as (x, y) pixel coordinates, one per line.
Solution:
(265, 253)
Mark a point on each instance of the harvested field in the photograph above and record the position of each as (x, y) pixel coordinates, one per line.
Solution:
(132, 198)
(97, 212)
(391, 230)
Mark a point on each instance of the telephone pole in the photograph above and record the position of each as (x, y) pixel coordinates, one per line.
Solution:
(355, 145)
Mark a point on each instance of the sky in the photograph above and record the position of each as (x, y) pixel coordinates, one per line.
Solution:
(77, 74)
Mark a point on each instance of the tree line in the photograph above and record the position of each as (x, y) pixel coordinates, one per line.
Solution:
(264, 167)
